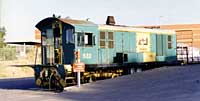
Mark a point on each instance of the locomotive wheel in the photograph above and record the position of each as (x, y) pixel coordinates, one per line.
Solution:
(88, 78)
(114, 75)
(63, 82)
(38, 82)
(92, 79)
(138, 70)
(41, 81)
(56, 82)
(132, 71)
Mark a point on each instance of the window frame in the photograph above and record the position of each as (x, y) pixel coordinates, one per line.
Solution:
(89, 39)
(102, 42)
(169, 41)
(110, 40)
(106, 39)
(81, 37)
(69, 38)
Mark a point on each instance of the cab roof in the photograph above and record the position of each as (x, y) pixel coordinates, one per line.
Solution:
(71, 22)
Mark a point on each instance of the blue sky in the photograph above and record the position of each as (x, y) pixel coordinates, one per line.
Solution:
(20, 16)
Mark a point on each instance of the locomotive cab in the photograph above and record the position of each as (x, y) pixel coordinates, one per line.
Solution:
(57, 42)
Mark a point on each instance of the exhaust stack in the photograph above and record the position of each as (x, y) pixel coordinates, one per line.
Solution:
(110, 20)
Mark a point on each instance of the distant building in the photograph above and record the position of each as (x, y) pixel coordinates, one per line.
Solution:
(24, 48)
(37, 35)
(188, 38)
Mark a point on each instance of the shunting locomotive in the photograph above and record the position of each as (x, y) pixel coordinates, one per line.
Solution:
(106, 50)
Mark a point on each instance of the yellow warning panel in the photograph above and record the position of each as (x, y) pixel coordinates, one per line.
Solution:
(143, 42)
(149, 57)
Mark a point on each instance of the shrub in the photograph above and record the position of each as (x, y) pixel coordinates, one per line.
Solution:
(7, 53)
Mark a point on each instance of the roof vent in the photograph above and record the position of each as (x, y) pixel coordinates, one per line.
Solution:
(110, 20)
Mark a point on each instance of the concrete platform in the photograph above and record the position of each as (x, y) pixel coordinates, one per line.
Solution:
(162, 84)
(179, 83)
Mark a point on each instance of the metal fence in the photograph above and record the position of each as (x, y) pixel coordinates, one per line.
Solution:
(188, 54)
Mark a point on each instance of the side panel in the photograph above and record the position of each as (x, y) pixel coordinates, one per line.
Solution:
(171, 53)
(143, 42)
(159, 45)
(103, 58)
(153, 43)
(132, 41)
(174, 44)
(140, 57)
(165, 46)
(125, 42)
(118, 41)
(132, 55)
(88, 54)
(106, 55)
(111, 53)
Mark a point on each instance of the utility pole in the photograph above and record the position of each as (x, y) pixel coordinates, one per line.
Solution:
(1, 13)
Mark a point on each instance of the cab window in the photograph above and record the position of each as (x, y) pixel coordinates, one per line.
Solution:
(69, 36)
(102, 39)
(85, 39)
(169, 41)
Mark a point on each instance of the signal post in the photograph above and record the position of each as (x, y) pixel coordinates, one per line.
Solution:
(78, 67)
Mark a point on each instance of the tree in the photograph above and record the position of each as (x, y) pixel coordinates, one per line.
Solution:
(6, 52)
(2, 35)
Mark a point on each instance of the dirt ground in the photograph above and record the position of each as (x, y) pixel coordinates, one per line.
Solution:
(8, 69)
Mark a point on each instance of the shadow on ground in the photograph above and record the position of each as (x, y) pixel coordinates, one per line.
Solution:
(18, 83)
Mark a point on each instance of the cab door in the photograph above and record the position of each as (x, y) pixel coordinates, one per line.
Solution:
(106, 50)
(68, 45)
(48, 47)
